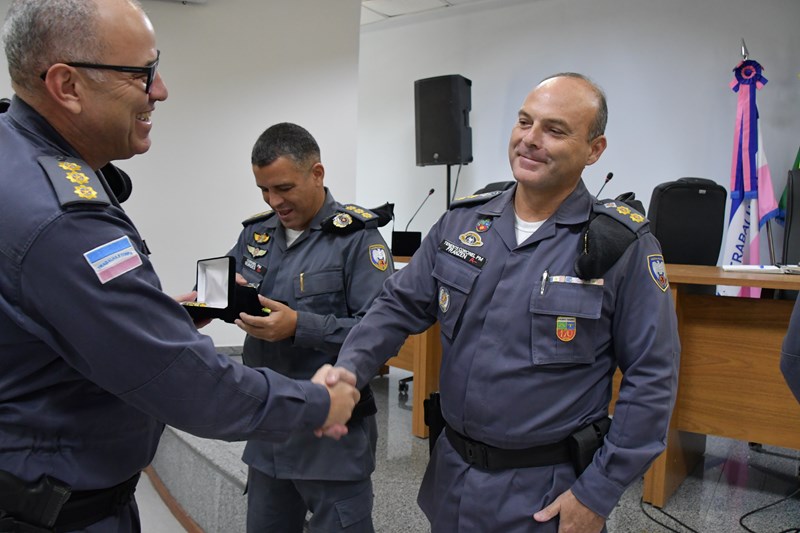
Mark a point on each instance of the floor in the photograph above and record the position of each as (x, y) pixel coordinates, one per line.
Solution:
(733, 480)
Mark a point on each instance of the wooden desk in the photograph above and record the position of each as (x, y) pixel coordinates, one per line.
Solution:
(730, 382)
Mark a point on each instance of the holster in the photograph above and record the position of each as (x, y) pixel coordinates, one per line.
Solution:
(585, 442)
(31, 506)
(432, 409)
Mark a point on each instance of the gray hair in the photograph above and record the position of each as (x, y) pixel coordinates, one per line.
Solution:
(39, 33)
(598, 127)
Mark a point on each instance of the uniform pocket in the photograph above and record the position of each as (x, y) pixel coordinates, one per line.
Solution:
(321, 292)
(355, 509)
(455, 280)
(565, 319)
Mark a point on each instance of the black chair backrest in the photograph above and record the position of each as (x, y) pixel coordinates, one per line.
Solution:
(791, 235)
(687, 216)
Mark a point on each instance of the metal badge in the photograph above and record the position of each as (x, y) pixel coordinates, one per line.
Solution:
(256, 252)
(658, 271)
(77, 177)
(260, 238)
(444, 299)
(566, 328)
(470, 238)
(378, 257)
(342, 220)
(85, 192)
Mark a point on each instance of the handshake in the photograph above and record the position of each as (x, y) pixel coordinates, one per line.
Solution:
(341, 386)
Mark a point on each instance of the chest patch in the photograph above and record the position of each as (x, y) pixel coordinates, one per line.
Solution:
(249, 264)
(113, 259)
(465, 255)
(566, 328)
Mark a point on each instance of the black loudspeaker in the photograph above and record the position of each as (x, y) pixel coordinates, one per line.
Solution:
(441, 108)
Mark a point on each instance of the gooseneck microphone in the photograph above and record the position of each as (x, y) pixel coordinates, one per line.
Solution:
(608, 178)
(430, 193)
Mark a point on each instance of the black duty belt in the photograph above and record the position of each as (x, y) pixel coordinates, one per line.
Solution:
(49, 505)
(86, 507)
(488, 457)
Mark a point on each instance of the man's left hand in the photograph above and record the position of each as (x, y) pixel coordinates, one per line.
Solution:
(280, 324)
(574, 516)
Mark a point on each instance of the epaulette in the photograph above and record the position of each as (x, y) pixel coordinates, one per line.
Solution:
(613, 226)
(352, 218)
(74, 181)
(474, 199)
(258, 217)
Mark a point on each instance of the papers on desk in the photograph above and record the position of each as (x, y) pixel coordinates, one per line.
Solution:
(763, 269)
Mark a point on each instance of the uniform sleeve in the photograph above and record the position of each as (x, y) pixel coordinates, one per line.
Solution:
(406, 306)
(790, 353)
(364, 275)
(646, 345)
(125, 335)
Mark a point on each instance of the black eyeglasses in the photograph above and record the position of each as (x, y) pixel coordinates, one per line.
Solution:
(148, 70)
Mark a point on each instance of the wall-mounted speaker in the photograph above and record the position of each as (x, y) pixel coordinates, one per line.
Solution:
(441, 108)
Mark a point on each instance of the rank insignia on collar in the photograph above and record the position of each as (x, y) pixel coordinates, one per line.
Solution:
(260, 238)
(378, 257)
(658, 271)
(444, 299)
(566, 328)
(342, 220)
(256, 252)
(470, 238)
(483, 225)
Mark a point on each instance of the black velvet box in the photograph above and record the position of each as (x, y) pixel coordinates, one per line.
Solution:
(218, 294)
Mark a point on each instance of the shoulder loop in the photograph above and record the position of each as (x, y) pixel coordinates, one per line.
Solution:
(474, 199)
(351, 218)
(613, 226)
(622, 212)
(74, 181)
(258, 217)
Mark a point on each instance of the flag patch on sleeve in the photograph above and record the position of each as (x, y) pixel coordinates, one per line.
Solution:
(113, 259)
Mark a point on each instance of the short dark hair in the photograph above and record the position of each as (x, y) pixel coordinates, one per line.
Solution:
(285, 140)
(598, 127)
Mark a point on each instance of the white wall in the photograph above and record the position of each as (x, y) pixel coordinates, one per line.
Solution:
(665, 66)
(234, 67)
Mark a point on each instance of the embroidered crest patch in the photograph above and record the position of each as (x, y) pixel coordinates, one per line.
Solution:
(566, 328)
(444, 299)
(378, 258)
(471, 238)
(658, 271)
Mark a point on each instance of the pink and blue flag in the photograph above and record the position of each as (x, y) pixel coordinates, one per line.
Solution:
(752, 196)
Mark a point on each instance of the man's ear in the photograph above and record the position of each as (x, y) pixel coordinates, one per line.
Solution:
(318, 171)
(63, 85)
(598, 146)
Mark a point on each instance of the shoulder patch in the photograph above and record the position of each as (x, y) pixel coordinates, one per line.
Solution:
(474, 199)
(74, 181)
(258, 217)
(621, 212)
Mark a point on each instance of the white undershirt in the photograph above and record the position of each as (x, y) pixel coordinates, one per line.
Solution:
(525, 229)
(292, 235)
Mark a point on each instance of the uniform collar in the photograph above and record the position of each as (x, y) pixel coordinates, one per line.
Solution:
(27, 118)
(574, 209)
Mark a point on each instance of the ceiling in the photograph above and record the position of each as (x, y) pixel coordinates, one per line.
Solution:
(373, 11)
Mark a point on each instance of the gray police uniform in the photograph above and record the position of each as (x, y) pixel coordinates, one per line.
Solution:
(94, 357)
(529, 351)
(330, 275)
(790, 353)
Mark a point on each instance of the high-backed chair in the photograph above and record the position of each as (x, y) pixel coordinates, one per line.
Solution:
(791, 233)
(687, 216)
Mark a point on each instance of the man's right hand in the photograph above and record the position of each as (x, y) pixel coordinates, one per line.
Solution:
(344, 397)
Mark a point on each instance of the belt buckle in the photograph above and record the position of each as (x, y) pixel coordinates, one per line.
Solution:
(476, 454)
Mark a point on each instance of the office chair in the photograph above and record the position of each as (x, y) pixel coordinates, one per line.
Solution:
(791, 231)
(687, 217)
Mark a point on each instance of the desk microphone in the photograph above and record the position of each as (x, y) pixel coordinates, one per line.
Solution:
(608, 178)
(430, 192)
